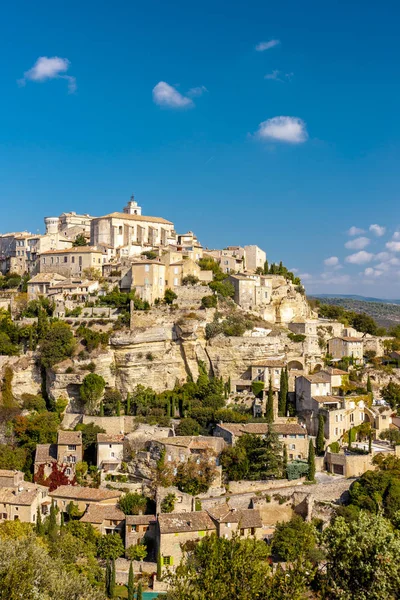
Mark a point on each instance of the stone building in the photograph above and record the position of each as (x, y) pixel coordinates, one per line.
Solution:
(83, 497)
(339, 347)
(40, 284)
(110, 451)
(292, 435)
(105, 518)
(131, 229)
(175, 529)
(66, 454)
(20, 500)
(71, 262)
(140, 529)
(229, 521)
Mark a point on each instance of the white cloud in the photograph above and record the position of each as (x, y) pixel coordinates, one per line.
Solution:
(166, 95)
(305, 276)
(283, 129)
(333, 279)
(197, 91)
(262, 46)
(359, 258)
(274, 75)
(357, 243)
(355, 230)
(369, 272)
(332, 261)
(378, 230)
(382, 256)
(50, 68)
(393, 246)
(396, 235)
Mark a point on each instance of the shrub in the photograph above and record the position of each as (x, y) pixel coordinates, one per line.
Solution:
(57, 345)
(169, 296)
(91, 390)
(209, 301)
(190, 280)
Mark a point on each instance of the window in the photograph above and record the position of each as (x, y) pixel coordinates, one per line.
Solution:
(120, 230)
(73, 259)
(252, 531)
(176, 270)
(133, 528)
(147, 268)
(228, 525)
(65, 259)
(292, 446)
(112, 454)
(169, 458)
(176, 281)
(71, 447)
(352, 418)
(336, 431)
(68, 471)
(167, 560)
(110, 445)
(44, 260)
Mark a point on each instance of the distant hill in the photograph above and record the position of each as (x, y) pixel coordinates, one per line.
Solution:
(385, 312)
(355, 297)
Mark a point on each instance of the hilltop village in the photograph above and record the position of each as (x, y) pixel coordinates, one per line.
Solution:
(154, 392)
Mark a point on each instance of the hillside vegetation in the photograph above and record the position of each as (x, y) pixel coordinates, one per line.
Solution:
(384, 314)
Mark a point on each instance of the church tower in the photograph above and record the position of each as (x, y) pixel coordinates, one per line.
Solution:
(132, 207)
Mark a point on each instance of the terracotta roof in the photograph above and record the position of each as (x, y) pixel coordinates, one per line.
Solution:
(118, 215)
(323, 399)
(46, 277)
(185, 522)
(262, 428)
(77, 250)
(97, 513)
(8, 472)
(24, 497)
(140, 519)
(105, 438)
(73, 438)
(317, 377)
(246, 518)
(87, 494)
(46, 453)
(333, 371)
(189, 441)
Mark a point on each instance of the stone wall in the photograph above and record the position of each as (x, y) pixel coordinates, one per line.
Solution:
(243, 487)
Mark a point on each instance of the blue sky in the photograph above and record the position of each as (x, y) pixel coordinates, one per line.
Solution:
(179, 103)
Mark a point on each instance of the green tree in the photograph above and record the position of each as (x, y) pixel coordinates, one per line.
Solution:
(168, 503)
(283, 392)
(222, 568)
(131, 583)
(112, 580)
(112, 399)
(362, 559)
(91, 390)
(39, 527)
(139, 595)
(57, 345)
(133, 503)
(195, 476)
(391, 393)
(108, 577)
(52, 525)
(311, 462)
(169, 296)
(369, 385)
(128, 404)
(89, 440)
(293, 539)
(137, 552)
(188, 426)
(12, 457)
(269, 412)
(80, 240)
(110, 546)
(320, 441)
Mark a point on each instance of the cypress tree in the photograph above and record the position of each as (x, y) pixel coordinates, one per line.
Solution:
(320, 441)
(128, 404)
(369, 385)
(269, 412)
(139, 595)
(283, 392)
(370, 442)
(350, 437)
(108, 577)
(285, 461)
(101, 409)
(112, 580)
(53, 523)
(266, 268)
(159, 566)
(62, 521)
(118, 408)
(311, 462)
(39, 527)
(131, 583)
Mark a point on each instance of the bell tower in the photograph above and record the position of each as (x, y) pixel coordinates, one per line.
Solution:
(132, 207)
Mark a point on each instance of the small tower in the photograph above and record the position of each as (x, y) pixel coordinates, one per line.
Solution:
(132, 207)
(52, 224)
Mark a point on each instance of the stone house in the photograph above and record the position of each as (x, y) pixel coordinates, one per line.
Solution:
(105, 518)
(66, 453)
(71, 262)
(176, 529)
(130, 228)
(268, 369)
(83, 496)
(19, 499)
(148, 279)
(40, 284)
(110, 451)
(309, 386)
(251, 290)
(254, 258)
(292, 435)
(140, 529)
(348, 464)
(245, 521)
(339, 347)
